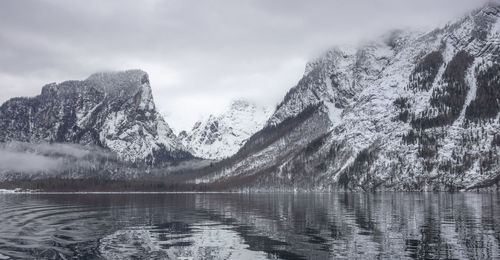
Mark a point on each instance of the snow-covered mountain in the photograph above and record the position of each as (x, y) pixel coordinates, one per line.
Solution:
(410, 111)
(406, 111)
(114, 110)
(220, 136)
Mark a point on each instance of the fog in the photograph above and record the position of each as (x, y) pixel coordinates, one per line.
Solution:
(24, 158)
(28, 162)
(19, 160)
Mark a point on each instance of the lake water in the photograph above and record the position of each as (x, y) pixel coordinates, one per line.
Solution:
(250, 226)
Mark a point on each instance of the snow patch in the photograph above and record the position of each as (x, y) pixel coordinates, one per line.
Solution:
(221, 136)
(496, 27)
(5, 191)
(335, 114)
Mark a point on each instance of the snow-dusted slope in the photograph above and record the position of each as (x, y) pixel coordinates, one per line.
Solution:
(113, 110)
(336, 77)
(223, 135)
(406, 111)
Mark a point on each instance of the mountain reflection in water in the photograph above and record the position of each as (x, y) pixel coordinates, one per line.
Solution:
(250, 226)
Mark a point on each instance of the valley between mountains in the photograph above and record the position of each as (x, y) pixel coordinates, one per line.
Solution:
(409, 111)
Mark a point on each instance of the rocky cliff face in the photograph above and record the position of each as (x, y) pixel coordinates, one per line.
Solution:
(410, 111)
(223, 135)
(114, 110)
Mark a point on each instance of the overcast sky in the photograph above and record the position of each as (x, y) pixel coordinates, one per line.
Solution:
(200, 55)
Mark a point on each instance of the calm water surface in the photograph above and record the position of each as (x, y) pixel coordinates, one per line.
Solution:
(255, 226)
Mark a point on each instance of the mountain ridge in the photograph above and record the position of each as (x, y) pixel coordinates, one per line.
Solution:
(114, 110)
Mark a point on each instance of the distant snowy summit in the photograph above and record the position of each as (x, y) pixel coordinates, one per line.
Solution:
(220, 136)
(114, 110)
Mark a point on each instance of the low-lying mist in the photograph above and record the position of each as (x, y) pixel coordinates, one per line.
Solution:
(24, 160)
(20, 160)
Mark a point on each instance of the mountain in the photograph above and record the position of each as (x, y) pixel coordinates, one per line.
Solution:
(223, 135)
(114, 110)
(407, 111)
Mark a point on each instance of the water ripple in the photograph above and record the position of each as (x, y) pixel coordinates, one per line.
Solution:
(251, 226)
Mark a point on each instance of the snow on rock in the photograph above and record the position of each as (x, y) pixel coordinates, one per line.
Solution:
(223, 135)
(336, 77)
(114, 110)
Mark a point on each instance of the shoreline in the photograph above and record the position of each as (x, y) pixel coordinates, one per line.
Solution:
(15, 191)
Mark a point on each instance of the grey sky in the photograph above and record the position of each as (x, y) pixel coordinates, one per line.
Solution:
(200, 54)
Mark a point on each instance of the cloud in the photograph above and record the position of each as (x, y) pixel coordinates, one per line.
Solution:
(46, 158)
(199, 54)
(21, 160)
(28, 162)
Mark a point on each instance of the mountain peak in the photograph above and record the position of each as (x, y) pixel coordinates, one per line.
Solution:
(491, 8)
(111, 82)
(115, 75)
(240, 104)
(492, 3)
(114, 110)
(481, 16)
(118, 83)
(220, 136)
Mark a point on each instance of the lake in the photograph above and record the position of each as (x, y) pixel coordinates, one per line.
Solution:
(250, 226)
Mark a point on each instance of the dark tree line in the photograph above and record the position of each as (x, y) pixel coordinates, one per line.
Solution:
(402, 104)
(427, 144)
(487, 102)
(450, 99)
(496, 140)
(102, 185)
(425, 72)
(350, 178)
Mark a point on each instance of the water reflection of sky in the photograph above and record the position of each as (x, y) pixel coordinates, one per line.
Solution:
(257, 226)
